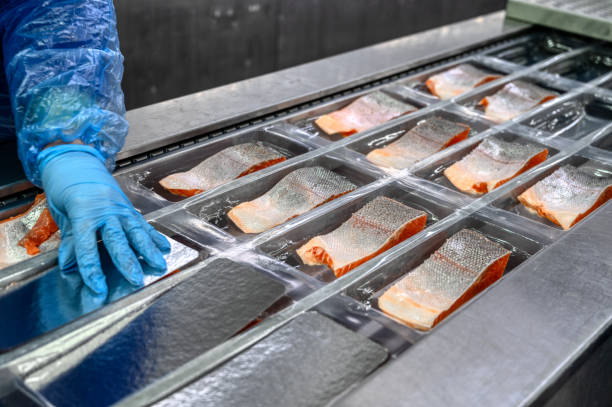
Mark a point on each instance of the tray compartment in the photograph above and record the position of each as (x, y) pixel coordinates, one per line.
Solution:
(521, 245)
(320, 348)
(510, 203)
(283, 247)
(472, 102)
(573, 118)
(417, 82)
(537, 48)
(306, 120)
(214, 210)
(141, 183)
(378, 140)
(585, 67)
(435, 171)
(605, 142)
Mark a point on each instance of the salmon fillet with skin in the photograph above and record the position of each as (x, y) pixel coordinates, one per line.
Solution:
(513, 99)
(379, 225)
(567, 195)
(466, 264)
(28, 234)
(492, 163)
(226, 165)
(428, 137)
(460, 79)
(298, 192)
(364, 113)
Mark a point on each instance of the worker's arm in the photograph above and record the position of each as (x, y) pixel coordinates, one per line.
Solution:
(64, 69)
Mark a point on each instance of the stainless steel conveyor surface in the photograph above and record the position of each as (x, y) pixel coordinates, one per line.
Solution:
(509, 346)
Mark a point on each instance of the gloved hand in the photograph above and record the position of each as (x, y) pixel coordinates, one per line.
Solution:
(84, 199)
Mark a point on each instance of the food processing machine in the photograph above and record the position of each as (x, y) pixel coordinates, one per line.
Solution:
(238, 320)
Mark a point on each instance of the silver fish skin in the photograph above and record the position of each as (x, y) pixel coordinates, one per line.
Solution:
(434, 286)
(297, 193)
(567, 194)
(222, 167)
(494, 160)
(364, 113)
(513, 99)
(458, 80)
(428, 137)
(12, 231)
(365, 233)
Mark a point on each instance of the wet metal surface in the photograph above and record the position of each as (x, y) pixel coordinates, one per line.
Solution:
(553, 306)
(306, 363)
(192, 317)
(56, 298)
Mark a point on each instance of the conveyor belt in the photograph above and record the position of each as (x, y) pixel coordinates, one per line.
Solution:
(574, 127)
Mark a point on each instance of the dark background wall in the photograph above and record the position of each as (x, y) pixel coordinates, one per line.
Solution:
(177, 47)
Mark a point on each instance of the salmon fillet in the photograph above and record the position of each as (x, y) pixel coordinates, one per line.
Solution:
(428, 137)
(513, 99)
(295, 194)
(466, 264)
(455, 81)
(364, 113)
(567, 195)
(222, 167)
(493, 163)
(28, 234)
(379, 225)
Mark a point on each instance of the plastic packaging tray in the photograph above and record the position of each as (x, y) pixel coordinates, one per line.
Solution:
(141, 182)
(585, 67)
(435, 171)
(283, 246)
(538, 47)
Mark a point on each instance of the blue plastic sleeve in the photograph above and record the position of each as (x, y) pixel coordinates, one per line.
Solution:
(64, 68)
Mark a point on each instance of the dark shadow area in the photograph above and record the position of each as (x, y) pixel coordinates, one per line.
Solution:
(185, 46)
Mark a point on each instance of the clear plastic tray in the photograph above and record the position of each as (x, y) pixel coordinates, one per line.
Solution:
(473, 99)
(306, 120)
(283, 246)
(434, 172)
(510, 203)
(367, 291)
(214, 210)
(572, 118)
(585, 67)
(605, 142)
(141, 183)
(380, 139)
(242, 293)
(417, 82)
(537, 47)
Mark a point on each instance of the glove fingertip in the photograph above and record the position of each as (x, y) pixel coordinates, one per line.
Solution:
(96, 281)
(135, 275)
(160, 241)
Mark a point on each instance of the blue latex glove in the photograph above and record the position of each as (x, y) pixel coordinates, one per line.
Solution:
(84, 199)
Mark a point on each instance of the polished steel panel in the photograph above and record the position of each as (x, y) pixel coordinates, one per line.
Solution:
(305, 363)
(192, 317)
